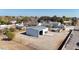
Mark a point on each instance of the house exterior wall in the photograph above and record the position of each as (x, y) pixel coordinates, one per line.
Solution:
(56, 25)
(36, 31)
(32, 32)
(45, 30)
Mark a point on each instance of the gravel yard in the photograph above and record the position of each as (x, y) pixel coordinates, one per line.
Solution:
(11, 45)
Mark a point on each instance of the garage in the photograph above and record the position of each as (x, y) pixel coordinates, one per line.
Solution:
(36, 31)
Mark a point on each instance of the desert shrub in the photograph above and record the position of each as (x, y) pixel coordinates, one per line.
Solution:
(5, 30)
(10, 35)
(12, 29)
(3, 21)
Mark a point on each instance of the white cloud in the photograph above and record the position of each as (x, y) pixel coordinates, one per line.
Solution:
(37, 4)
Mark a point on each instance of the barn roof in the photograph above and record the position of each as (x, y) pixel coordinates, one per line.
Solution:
(39, 28)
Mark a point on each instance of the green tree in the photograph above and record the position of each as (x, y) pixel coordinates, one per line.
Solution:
(54, 18)
(64, 18)
(74, 21)
(3, 21)
(61, 20)
(10, 35)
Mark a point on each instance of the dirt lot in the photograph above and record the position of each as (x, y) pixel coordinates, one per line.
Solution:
(50, 41)
(11, 45)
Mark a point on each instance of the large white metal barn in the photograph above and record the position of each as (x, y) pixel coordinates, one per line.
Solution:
(36, 31)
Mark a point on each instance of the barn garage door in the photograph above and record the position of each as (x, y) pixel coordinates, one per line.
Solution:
(41, 33)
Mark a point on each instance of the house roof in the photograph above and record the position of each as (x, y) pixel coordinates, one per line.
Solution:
(52, 23)
(39, 28)
(68, 21)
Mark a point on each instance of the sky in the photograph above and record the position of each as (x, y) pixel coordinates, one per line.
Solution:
(40, 12)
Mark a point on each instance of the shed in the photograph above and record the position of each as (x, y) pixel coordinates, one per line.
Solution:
(36, 30)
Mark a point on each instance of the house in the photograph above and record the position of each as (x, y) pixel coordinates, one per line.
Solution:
(2, 27)
(39, 24)
(68, 22)
(78, 22)
(13, 21)
(54, 26)
(57, 26)
(20, 25)
(69, 28)
(36, 31)
(51, 24)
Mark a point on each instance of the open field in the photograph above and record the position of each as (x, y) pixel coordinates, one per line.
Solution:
(50, 41)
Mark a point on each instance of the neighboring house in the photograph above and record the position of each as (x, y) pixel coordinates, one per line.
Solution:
(57, 26)
(68, 22)
(76, 28)
(36, 31)
(13, 21)
(10, 26)
(69, 28)
(56, 29)
(20, 25)
(3, 27)
(51, 24)
(78, 22)
(39, 24)
(54, 26)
